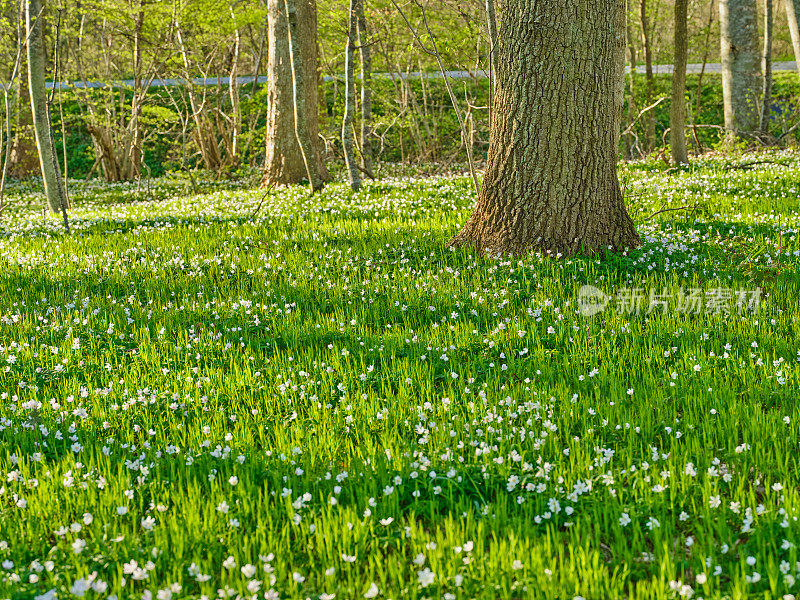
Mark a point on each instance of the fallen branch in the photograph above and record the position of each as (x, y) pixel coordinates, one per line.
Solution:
(663, 210)
(750, 165)
(261, 202)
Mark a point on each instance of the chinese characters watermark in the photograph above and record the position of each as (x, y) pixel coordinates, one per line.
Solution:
(695, 301)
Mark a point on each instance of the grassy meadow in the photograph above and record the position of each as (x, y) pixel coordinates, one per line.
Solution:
(227, 395)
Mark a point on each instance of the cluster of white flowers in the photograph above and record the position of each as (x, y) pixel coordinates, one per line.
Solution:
(320, 401)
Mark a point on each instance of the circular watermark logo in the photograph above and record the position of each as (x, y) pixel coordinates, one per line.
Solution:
(591, 300)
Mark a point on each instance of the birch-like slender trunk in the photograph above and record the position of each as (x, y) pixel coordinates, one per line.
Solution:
(350, 99)
(132, 161)
(366, 91)
(766, 67)
(551, 180)
(233, 93)
(48, 161)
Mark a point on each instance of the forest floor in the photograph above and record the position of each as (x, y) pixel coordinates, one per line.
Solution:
(312, 396)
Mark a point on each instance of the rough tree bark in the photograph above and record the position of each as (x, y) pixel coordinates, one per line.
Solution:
(551, 181)
(793, 16)
(51, 174)
(741, 77)
(766, 66)
(350, 98)
(677, 111)
(284, 155)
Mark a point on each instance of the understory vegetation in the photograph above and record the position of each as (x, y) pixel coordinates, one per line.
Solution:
(428, 134)
(298, 396)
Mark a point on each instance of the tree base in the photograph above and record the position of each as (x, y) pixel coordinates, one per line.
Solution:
(493, 238)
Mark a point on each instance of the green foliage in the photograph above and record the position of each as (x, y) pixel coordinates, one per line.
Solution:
(429, 133)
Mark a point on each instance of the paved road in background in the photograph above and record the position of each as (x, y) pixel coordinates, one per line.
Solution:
(658, 69)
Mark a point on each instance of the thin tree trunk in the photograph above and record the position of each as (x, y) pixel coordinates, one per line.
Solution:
(350, 99)
(434, 51)
(133, 160)
(233, 93)
(766, 66)
(491, 22)
(254, 116)
(204, 131)
(51, 175)
(292, 104)
(366, 92)
(793, 16)
(551, 180)
(677, 111)
(56, 78)
(647, 46)
(741, 79)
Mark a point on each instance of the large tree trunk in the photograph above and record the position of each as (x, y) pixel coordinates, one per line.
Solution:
(51, 174)
(285, 162)
(677, 111)
(793, 16)
(551, 180)
(741, 77)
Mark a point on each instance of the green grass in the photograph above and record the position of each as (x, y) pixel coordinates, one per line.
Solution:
(202, 402)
